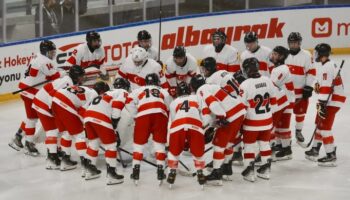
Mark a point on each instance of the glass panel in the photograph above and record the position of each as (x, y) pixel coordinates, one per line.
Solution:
(94, 14)
(127, 11)
(19, 20)
(265, 3)
(153, 8)
(1, 27)
(317, 2)
(338, 2)
(189, 7)
(225, 5)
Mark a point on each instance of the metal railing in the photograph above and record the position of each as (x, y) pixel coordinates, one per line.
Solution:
(26, 19)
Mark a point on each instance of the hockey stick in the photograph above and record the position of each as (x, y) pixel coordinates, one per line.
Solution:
(125, 151)
(160, 28)
(329, 96)
(30, 87)
(120, 156)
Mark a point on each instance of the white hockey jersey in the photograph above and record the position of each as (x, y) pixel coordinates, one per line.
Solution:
(40, 69)
(105, 107)
(282, 78)
(263, 55)
(226, 59)
(176, 74)
(188, 112)
(326, 77)
(224, 80)
(221, 103)
(258, 94)
(302, 70)
(43, 99)
(136, 74)
(75, 99)
(83, 57)
(148, 100)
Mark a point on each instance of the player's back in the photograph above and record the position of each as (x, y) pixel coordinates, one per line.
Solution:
(225, 80)
(74, 96)
(185, 113)
(150, 99)
(257, 95)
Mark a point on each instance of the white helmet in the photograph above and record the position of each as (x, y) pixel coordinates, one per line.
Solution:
(139, 55)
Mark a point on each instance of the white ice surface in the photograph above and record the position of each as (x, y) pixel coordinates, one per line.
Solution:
(24, 177)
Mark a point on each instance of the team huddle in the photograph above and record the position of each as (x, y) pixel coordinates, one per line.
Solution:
(241, 105)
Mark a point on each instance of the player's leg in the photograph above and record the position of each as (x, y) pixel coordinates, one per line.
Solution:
(325, 127)
(265, 151)
(249, 140)
(176, 145)
(197, 145)
(91, 170)
(300, 109)
(159, 130)
(284, 132)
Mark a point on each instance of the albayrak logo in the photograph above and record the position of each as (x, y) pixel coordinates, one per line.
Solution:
(321, 27)
(188, 36)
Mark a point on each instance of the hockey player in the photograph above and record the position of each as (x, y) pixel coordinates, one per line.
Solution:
(144, 39)
(229, 112)
(282, 78)
(230, 83)
(330, 99)
(42, 105)
(150, 107)
(303, 73)
(227, 81)
(101, 120)
(41, 68)
(180, 67)
(257, 93)
(136, 69)
(68, 107)
(90, 55)
(225, 55)
(260, 52)
(186, 122)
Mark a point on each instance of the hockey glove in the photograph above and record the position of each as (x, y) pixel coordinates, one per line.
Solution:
(307, 92)
(321, 107)
(221, 122)
(118, 139)
(209, 135)
(115, 122)
(239, 76)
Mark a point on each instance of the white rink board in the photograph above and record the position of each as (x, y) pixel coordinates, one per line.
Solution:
(330, 25)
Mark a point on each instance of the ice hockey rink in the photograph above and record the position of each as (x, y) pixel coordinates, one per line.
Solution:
(25, 177)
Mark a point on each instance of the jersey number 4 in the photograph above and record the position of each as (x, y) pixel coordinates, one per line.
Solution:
(262, 103)
(185, 106)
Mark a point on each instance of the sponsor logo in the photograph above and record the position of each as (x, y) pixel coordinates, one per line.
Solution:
(321, 27)
(189, 36)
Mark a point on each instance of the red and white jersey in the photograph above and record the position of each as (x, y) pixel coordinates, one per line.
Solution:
(176, 74)
(40, 69)
(75, 99)
(83, 57)
(326, 77)
(149, 99)
(105, 107)
(221, 103)
(226, 59)
(282, 78)
(225, 80)
(187, 112)
(43, 99)
(303, 72)
(259, 97)
(281, 100)
(263, 55)
(136, 74)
